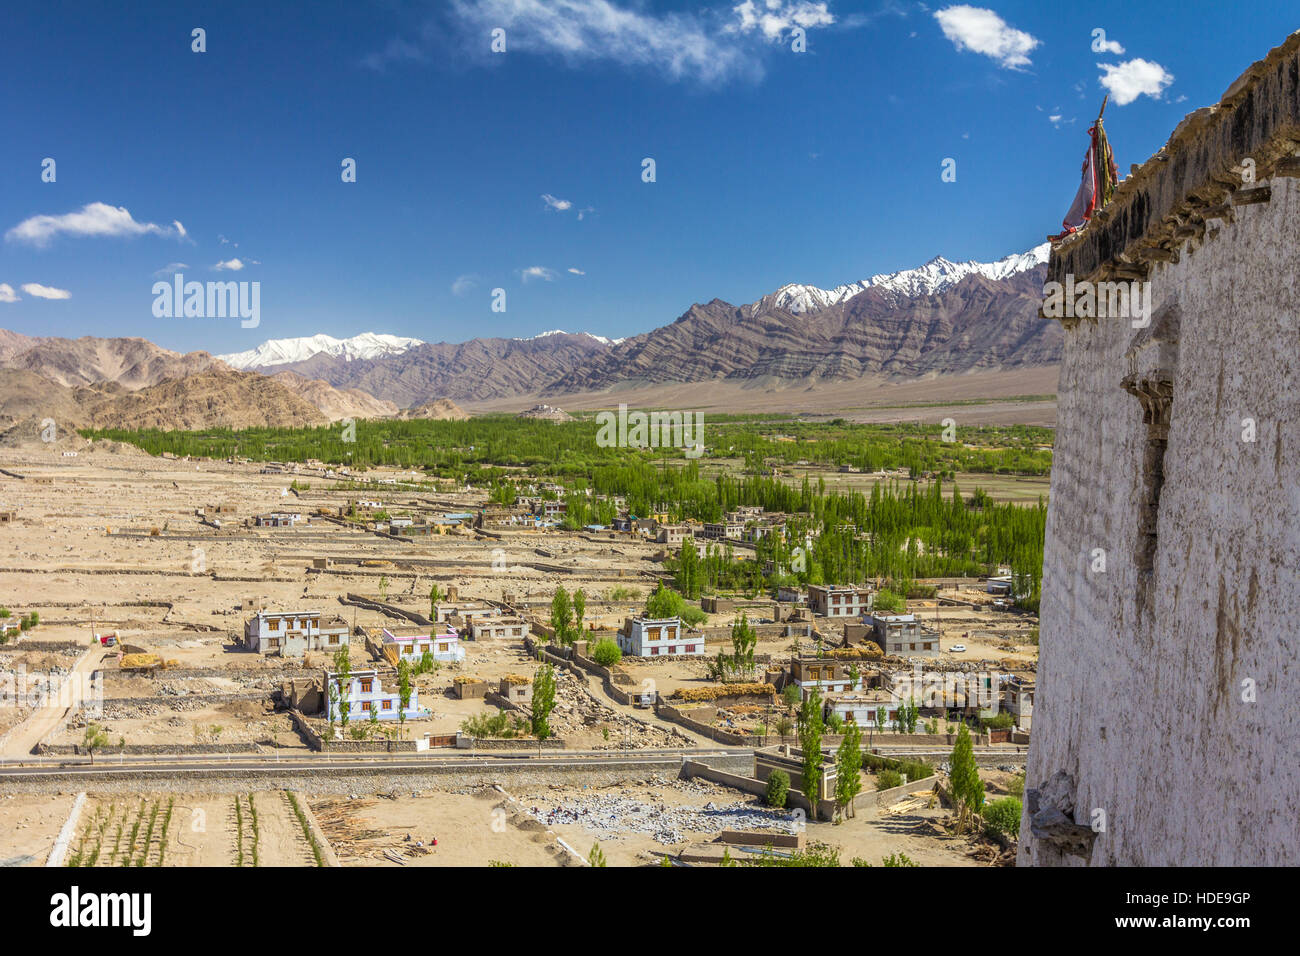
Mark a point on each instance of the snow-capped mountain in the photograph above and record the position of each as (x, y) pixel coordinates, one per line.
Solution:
(367, 345)
(934, 277)
(542, 335)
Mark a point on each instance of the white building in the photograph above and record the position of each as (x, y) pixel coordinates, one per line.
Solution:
(364, 694)
(645, 637)
(862, 708)
(294, 633)
(443, 644)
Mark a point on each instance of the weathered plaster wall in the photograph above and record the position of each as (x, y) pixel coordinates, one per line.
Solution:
(1141, 704)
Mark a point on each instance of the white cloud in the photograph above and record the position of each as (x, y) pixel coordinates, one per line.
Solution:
(235, 265)
(1133, 78)
(680, 45)
(983, 31)
(582, 213)
(44, 291)
(576, 272)
(171, 269)
(559, 205)
(776, 18)
(7, 293)
(464, 285)
(537, 272)
(95, 219)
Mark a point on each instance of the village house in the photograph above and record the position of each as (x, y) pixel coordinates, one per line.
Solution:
(902, 635)
(863, 708)
(294, 633)
(791, 594)
(468, 612)
(1018, 700)
(280, 519)
(955, 695)
(409, 645)
(498, 629)
(833, 600)
(722, 530)
(826, 675)
(364, 694)
(673, 533)
(649, 637)
(516, 689)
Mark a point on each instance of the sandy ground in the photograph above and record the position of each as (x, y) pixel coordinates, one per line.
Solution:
(982, 398)
(470, 829)
(31, 824)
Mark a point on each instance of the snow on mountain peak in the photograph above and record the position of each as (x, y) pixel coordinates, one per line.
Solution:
(542, 335)
(367, 345)
(935, 276)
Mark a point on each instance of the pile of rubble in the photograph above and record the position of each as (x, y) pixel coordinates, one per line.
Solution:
(611, 815)
(578, 711)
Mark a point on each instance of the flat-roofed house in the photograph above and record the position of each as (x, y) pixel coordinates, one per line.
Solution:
(364, 694)
(294, 633)
(443, 644)
(658, 637)
(827, 675)
(833, 600)
(902, 635)
(498, 629)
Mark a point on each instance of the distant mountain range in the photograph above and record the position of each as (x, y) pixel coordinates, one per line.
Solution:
(943, 318)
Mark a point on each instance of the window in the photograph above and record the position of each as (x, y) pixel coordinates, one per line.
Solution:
(365, 706)
(654, 652)
(388, 705)
(690, 648)
(365, 687)
(442, 647)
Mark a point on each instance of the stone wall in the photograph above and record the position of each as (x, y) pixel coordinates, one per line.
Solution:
(1144, 706)
(383, 776)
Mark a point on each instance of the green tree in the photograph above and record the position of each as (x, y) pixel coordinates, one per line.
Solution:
(778, 785)
(1002, 816)
(543, 700)
(93, 739)
(435, 595)
(597, 856)
(811, 726)
(963, 774)
(561, 616)
(848, 769)
(606, 653)
(383, 587)
(343, 673)
(403, 693)
(910, 714)
(579, 612)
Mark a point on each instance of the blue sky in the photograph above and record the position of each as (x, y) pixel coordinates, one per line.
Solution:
(479, 170)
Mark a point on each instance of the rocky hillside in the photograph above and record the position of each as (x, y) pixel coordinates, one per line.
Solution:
(474, 370)
(217, 397)
(333, 402)
(977, 324)
(440, 409)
